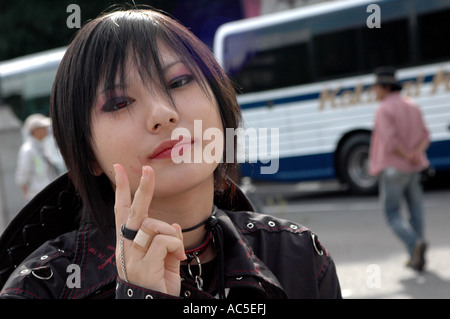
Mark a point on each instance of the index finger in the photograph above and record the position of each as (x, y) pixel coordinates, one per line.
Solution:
(128, 212)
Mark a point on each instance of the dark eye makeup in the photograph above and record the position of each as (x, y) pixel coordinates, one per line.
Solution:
(180, 81)
(117, 103)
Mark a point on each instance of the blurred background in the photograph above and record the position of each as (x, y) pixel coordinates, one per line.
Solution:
(305, 68)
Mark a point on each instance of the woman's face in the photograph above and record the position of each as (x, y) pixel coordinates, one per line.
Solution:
(134, 125)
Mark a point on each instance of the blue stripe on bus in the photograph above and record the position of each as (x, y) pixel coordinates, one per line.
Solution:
(321, 166)
(307, 167)
(298, 98)
(315, 95)
(439, 155)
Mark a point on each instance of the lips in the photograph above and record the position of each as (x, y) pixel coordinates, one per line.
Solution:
(165, 148)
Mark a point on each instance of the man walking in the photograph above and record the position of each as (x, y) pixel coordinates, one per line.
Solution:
(397, 156)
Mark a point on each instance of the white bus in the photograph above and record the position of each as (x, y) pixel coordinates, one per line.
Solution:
(26, 82)
(309, 73)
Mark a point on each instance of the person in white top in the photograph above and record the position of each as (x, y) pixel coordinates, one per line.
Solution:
(34, 169)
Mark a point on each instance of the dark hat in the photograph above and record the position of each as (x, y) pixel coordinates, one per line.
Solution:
(386, 76)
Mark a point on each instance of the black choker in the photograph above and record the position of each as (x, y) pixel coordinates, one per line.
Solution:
(194, 227)
(212, 227)
(201, 223)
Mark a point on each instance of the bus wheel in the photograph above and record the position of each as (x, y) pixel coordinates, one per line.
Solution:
(353, 165)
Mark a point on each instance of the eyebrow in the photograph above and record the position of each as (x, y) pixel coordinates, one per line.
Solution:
(112, 88)
(171, 64)
(164, 69)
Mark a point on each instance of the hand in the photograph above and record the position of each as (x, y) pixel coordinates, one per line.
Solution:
(414, 159)
(156, 264)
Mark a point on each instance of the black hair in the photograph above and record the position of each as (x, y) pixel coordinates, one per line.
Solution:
(98, 54)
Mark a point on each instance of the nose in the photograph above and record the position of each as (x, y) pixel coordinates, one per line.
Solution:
(162, 114)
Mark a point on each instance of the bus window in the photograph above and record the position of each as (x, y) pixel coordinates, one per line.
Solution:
(26, 82)
(336, 54)
(28, 93)
(388, 45)
(267, 60)
(434, 32)
(273, 69)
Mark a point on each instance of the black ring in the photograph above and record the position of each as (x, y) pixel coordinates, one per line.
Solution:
(127, 233)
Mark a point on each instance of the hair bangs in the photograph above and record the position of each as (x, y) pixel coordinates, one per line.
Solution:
(134, 37)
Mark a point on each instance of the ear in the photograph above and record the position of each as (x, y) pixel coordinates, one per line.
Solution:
(96, 169)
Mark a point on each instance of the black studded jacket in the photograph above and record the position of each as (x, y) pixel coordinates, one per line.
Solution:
(48, 253)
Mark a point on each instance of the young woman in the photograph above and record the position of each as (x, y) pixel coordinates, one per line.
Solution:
(152, 226)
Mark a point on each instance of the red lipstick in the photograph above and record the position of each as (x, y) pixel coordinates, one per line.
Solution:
(164, 149)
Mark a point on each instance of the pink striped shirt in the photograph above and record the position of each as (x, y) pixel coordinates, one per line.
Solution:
(398, 123)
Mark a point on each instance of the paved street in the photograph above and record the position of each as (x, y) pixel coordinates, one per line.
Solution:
(369, 258)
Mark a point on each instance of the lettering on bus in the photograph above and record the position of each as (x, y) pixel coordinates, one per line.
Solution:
(342, 98)
(339, 98)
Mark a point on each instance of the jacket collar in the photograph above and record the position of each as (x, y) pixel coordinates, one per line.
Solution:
(242, 267)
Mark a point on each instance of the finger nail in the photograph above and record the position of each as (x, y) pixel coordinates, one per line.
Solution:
(144, 170)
